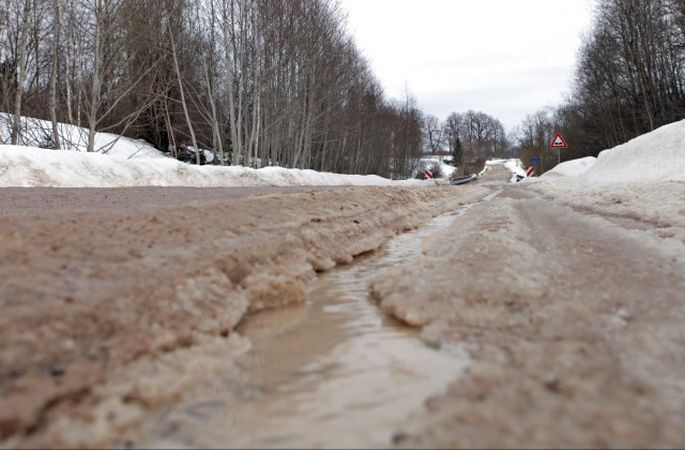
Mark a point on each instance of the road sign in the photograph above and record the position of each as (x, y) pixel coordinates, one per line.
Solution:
(530, 172)
(535, 160)
(558, 142)
(428, 174)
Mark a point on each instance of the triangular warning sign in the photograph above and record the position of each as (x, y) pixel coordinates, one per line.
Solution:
(559, 142)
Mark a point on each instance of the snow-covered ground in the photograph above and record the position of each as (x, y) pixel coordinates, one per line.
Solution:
(30, 166)
(514, 166)
(123, 162)
(571, 168)
(38, 133)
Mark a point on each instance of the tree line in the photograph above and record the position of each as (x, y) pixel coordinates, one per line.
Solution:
(629, 80)
(256, 82)
(471, 138)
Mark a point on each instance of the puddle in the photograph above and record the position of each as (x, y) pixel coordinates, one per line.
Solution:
(336, 372)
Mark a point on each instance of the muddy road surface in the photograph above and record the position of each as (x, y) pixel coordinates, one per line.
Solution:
(486, 315)
(117, 302)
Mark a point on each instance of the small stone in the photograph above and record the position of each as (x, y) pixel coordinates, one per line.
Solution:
(553, 384)
(57, 370)
(400, 437)
(624, 314)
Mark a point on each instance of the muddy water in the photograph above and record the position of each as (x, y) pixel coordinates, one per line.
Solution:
(335, 372)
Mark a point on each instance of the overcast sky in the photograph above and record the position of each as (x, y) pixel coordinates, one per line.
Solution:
(507, 58)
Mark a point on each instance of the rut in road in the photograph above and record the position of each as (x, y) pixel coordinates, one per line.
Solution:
(335, 372)
(573, 324)
(140, 296)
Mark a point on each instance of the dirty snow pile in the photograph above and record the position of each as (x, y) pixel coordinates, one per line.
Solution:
(643, 180)
(30, 166)
(654, 157)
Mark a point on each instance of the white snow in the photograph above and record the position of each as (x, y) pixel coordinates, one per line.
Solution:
(571, 168)
(656, 156)
(121, 161)
(446, 170)
(38, 133)
(514, 166)
(30, 166)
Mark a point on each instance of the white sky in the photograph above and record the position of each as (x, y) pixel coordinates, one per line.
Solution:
(507, 58)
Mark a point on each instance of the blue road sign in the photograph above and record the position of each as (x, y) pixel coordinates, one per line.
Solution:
(535, 159)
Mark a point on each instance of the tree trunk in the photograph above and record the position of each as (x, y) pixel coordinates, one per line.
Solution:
(96, 82)
(183, 98)
(21, 72)
(53, 77)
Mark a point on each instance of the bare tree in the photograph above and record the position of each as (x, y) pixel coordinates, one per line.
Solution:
(255, 81)
(433, 131)
(20, 67)
(56, 35)
(630, 76)
(452, 131)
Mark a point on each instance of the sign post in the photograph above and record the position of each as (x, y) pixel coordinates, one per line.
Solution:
(558, 143)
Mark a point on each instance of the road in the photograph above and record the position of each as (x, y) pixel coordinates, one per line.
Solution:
(117, 301)
(40, 201)
(573, 319)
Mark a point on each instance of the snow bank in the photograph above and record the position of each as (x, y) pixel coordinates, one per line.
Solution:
(642, 180)
(514, 166)
(27, 166)
(38, 133)
(571, 168)
(655, 156)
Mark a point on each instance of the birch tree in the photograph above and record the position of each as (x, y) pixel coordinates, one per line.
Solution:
(56, 41)
(254, 81)
(20, 66)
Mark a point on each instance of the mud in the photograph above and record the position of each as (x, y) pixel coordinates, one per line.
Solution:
(573, 322)
(131, 314)
(112, 312)
(332, 373)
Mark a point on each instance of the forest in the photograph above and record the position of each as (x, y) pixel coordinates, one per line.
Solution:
(255, 82)
(282, 82)
(471, 137)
